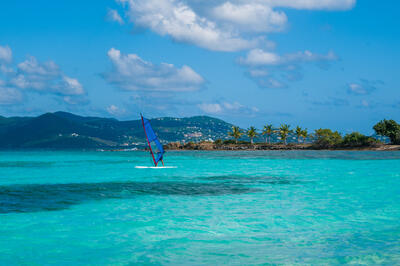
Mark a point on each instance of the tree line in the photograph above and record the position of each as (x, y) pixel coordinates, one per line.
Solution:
(322, 137)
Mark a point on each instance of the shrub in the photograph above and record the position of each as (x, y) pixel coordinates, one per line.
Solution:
(356, 139)
(218, 142)
(326, 138)
(390, 129)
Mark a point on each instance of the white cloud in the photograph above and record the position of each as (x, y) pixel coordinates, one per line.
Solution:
(312, 4)
(5, 69)
(356, 88)
(295, 4)
(259, 57)
(220, 25)
(115, 110)
(9, 95)
(71, 86)
(42, 77)
(178, 20)
(227, 108)
(308, 56)
(32, 67)
(263, 65)
(211, 108)
(113, 15)
(251, 17)
(130, 72)
(5, 54)
(364, 87)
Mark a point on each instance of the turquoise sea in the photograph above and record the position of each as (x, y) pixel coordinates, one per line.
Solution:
(236, 208)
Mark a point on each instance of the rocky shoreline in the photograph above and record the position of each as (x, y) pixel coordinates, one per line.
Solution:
(210, 146)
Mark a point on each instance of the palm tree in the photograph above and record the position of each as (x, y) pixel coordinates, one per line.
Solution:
(236, 133)
(304, 134)
(298, 133)
(252, 133)
(268, 131)
(284, 131)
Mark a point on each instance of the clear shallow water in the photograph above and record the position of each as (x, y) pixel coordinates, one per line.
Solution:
(272, 207)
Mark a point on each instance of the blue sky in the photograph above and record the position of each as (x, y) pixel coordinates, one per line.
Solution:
(314, 63)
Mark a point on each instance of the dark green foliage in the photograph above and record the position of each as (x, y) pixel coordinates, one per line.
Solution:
(251, 133)
(56, 130)
(356, 139)
(218, 142)
(236, 133)
(390, 129)
(326, 138)
(284, 131)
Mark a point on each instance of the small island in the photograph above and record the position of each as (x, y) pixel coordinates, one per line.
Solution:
(321, 139)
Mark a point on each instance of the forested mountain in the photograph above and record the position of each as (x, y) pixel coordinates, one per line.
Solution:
(62, 130)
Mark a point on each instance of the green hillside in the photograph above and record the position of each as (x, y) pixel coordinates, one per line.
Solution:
(61, 130)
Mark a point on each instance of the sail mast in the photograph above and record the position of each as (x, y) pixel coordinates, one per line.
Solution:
(148, 142)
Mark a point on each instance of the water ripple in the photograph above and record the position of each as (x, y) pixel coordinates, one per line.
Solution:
(238, 179)
(48, 197)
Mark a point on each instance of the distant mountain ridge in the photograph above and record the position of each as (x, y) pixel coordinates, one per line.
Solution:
(62, 130)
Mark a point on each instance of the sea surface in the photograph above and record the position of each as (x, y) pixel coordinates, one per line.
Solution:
(215, 208)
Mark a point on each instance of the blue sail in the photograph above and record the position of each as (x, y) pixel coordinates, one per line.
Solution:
(152, 137)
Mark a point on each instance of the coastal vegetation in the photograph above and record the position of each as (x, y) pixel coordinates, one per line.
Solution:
(301, 134)
(284, 131)
(62, 130)
(252, 133)
(357, 139)
(322, 138)
(236, 133)
(390, 129)
(326, 138)
(268, 130)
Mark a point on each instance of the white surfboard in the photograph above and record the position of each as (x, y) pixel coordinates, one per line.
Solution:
(154, 167)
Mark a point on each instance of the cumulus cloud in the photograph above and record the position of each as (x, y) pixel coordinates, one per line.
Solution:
(9, 95)
(113, 15)
(211, 108)
(5, 54)
(179, 21)
(130, 72)
(259, 57)
(43, 77)
(271, 70)
(220, 25)
(227, 108)
(313, 4)
(70, 86)
(115, 110)
(32, 67)
(250, 17)
(364, 87)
